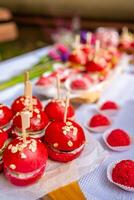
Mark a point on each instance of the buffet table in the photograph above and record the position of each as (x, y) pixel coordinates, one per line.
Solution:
(94, 185)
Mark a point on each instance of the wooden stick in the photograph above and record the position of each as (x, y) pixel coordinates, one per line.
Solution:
(66, 107)
(125, 30)
(97, 48)
(77, 42)
(25, 117)
(58, 86)
(26, 77)
(28, 94)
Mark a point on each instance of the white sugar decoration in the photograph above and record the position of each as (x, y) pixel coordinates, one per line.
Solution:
(12, 166)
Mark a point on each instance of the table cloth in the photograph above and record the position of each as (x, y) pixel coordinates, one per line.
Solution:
(95, 185)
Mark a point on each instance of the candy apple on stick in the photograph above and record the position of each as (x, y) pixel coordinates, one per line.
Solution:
(24, 158)
(65, 140)
(96, 64)
(38, 119)
(20, 103)
(77, 57)
(55, 108)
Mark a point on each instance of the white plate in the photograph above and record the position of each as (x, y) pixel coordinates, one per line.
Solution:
(121, 148)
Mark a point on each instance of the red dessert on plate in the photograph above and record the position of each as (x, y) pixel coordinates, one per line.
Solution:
(3, 144)
(92, 66)
(79, 84)
(118, 138)
(38, 123)
(109, 107)
(24, 162)
(55, 110)
(6, 117)
(98, 123)
(77, 57)
(22, 102)
(65, 140)
(123, 173)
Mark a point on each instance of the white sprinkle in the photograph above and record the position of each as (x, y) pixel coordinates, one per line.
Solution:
(64, 132)
(10, 146)
(36, 110)
(75, 130)
(12, 166)
(23, 156)
(55, 145)
(14, 149)
(68, 123)
(70, 144)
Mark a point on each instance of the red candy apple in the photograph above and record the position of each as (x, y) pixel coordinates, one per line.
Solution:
(78, 58)
(3, 144)
(93, 66)
(6, 117)
(24, 163)
(38, 123)
(55, 110)
(65, 141)
(21, 102)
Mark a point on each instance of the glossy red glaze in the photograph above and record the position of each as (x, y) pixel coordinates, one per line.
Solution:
(63, 156)
(79, 84)
(22, 181)
(92, 66)
(109, 105)
(36, 123)
(33, 161)
(77, 58)
(54, 134)
(99, 120)
(3, 138)
(55, 111)
(19, 104)
(5, 115)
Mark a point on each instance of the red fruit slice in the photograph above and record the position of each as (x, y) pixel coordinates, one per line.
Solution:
(109, 105)
(99, 120)
(118, 137)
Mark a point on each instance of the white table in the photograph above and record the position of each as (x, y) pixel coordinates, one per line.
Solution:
(94, 185)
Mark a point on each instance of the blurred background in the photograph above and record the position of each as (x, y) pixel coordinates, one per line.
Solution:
(30, 24)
